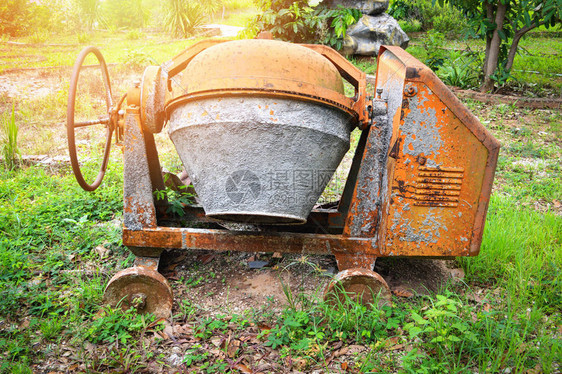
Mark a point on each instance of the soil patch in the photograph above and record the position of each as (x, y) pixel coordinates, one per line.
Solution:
(223, 282)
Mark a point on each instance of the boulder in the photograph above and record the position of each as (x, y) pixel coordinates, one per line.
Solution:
(370, 7)
(370, 32)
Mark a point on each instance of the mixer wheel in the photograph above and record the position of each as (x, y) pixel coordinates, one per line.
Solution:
(361, 285)
(142, 288)
(108, 119)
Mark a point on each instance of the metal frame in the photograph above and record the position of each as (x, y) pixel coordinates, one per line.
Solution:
(359, 230)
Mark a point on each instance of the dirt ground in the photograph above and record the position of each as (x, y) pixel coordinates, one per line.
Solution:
(235, 282)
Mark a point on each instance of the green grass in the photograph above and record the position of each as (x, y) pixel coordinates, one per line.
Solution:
(48, 226)
(9, 139)
(504, 316)
(117, 48)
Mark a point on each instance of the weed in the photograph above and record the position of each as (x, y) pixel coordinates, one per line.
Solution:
(51, 328)
(134, 34)
(9, 140)
(39, 37)
(84, 38)
(460, 69)
(117, 325)
(412, 25)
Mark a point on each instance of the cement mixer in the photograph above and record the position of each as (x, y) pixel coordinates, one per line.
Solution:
(260, 127)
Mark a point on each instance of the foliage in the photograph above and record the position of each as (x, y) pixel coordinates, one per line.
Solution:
(90, 12)
(117, 325)
(124, 14)
(134, 34)
(456, 68)
(22, 17)
(175, 198)
(433, 43)
(502, 23)
(297, 22)
(460, 69)
(444, 19)
(443, 326)
(84, 38)
(9, 139)
(412, 25)
(184, 16)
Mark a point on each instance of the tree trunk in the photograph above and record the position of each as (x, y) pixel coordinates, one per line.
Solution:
(494, 51)
(515, 43)
(490, 17)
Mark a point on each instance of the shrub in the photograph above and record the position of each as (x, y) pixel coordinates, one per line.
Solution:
(83, 38)
(184, 16)
(412, 25)
(299, 23)
(21, 17)
(134, 34)
(445, 19)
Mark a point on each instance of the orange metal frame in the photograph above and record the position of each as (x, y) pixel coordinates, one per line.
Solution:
(418, 186)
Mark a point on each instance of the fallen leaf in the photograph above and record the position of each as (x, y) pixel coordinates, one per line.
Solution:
(263, 327)
(341, 352)
(396, 347)
(24, 324)
(156, 322)
(168, 331)
(184, 329)
(401, 291)
(206, 258)
(89, 347)
(474, 297)
(102, 251)
(344, 366)
(299, 364)
(233, 348)
(243, 368)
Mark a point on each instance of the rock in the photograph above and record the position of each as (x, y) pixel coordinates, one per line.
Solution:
(102, 251)
(370, 7)
(367, 35)
(174, 360)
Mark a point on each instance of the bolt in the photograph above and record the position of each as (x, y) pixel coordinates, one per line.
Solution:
(422, 160)
(410, 90)
(138, 301)
(379, 93)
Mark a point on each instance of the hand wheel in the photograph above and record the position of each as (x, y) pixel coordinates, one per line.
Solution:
(108, 120)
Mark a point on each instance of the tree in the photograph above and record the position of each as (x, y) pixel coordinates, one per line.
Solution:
(502, 23)
(124, 14)
(21, 17)
(90, 12)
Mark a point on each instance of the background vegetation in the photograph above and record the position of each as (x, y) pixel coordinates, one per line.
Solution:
(60, 245)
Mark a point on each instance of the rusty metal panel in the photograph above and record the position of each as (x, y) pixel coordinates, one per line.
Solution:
(443, 170)
(138, 203)
(225, 240)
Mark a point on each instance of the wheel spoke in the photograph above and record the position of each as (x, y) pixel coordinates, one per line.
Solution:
(100, 121)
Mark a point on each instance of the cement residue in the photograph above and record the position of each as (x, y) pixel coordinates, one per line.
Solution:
(420, 130)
